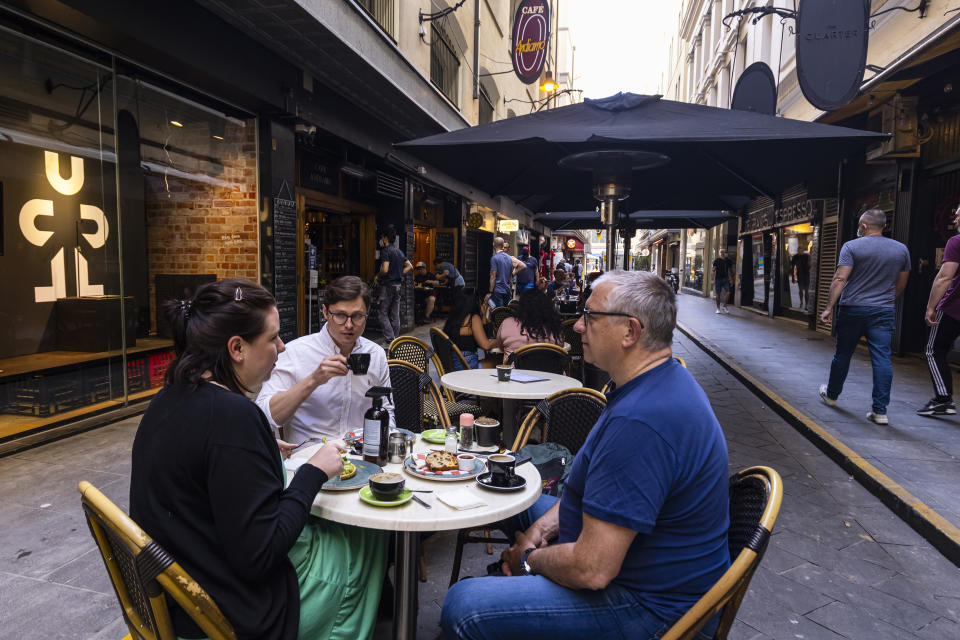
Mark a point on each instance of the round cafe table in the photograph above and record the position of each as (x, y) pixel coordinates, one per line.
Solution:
(408, 519)
(484, 382)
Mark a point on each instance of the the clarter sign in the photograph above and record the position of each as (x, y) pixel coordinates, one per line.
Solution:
(831, 50)
(531, 33)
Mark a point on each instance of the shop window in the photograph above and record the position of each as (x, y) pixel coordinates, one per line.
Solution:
(797, 247)
(444, 65)
(694, 259)
(486, 107)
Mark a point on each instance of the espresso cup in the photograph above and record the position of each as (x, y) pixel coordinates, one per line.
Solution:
(503, 372)
(386, 486)
(358, 363)
(502, 469)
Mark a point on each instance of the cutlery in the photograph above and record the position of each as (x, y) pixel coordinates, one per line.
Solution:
(421, 502)
(422, 490)
(305, 443)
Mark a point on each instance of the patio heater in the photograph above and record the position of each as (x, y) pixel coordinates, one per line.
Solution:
(611, 170)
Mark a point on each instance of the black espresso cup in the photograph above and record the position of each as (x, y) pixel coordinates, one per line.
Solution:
(358, 363)
(502, 469)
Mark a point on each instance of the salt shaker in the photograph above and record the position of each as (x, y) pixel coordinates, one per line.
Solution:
(466, 430)
(450, 441)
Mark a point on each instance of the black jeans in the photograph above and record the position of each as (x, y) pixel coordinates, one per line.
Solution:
(939, 344)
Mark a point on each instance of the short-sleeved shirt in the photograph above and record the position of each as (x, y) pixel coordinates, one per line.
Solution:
(723, 266)
(503, 265)
(421, 280)
(801, 262)
(396, 259)
(877, 262)
(950, 302)
(456, 280)
(528, 275)
(656, 463)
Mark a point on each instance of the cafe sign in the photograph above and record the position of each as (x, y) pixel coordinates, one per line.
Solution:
(831, 50)
(531, 33)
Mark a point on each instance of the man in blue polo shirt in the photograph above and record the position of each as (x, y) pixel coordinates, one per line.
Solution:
(503, 267)
(640, 533)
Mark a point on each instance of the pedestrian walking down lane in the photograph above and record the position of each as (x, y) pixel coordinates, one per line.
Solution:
(943, 317)
(722, 276)
(871, 273)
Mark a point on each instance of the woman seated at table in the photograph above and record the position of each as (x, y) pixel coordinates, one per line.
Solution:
(536, 321)
(464, 326)
(207, 483)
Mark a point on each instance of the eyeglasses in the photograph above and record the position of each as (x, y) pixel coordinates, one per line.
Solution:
(587, 314)
(238, 295)
(340, 318)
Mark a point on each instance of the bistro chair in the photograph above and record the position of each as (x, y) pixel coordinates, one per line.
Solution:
(499, 315)
(144, 575)
(575, 341)
(444, 351)
(565, 418)
(541, 356)
(755, 497)
(412, 350)
(411, 410)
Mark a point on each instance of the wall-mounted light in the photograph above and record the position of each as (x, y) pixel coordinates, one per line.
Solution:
(176, 123)
(548, 84)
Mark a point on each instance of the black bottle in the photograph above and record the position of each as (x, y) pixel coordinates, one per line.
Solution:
(376, 427)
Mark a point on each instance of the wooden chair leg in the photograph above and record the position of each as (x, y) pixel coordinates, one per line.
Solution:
(486, 534)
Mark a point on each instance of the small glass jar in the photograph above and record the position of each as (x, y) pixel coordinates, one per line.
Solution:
(466, 431)
(450, 441)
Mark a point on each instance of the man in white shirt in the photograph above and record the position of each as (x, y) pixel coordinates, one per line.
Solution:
(311, 392)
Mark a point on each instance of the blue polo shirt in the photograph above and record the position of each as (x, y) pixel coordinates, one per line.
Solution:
(503, 265)
(656, 462)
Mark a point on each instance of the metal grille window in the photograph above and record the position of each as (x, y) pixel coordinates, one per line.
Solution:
(382, 13)
(486, 107)
(444, 66)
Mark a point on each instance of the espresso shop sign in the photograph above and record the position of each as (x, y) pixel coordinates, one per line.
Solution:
(531, 33)
(831, 50)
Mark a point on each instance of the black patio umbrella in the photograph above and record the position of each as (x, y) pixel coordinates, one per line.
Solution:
(681, 219)
(663, 154)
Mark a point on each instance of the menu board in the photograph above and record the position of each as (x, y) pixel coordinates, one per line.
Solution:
(285, 261)
(445, 244)
(470, 258)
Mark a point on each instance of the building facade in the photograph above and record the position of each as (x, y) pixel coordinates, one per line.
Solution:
(148, 149)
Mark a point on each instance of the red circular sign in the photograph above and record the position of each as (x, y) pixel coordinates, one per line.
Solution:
(531, 33)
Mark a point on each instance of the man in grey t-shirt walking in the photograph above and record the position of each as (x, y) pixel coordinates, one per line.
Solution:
(871, 273)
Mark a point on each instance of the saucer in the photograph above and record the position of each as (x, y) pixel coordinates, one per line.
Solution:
(484, 480)
(367, 496)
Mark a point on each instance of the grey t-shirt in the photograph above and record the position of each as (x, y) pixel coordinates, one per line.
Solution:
(877, 262)
(456, 280)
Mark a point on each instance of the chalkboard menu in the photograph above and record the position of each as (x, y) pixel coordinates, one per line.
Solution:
(444, 247)
(470, 258)
(285, 261)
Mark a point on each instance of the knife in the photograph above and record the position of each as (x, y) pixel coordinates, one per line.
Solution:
(421, 501)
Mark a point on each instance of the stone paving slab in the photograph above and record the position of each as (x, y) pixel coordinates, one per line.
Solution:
(839, 564)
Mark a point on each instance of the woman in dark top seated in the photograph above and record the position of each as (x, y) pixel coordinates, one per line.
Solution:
(207, 483)
(464, 326)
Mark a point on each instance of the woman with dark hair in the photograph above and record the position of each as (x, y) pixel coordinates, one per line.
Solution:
(208, 484)
(464, 326)
(536, 321)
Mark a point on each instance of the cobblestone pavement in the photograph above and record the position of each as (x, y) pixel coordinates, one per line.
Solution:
(839, 563)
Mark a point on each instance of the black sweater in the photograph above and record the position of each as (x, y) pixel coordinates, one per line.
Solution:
(207, 485)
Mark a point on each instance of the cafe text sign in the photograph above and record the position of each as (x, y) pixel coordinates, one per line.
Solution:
(831, 50)
(531, 33)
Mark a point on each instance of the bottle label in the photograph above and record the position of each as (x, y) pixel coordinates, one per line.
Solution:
(371, 438)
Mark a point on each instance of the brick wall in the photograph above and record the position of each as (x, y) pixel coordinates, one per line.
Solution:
(196, 227)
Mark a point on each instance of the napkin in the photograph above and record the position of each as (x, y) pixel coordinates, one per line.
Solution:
(461, 499)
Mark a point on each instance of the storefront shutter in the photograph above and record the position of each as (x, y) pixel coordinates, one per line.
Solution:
(829, 232)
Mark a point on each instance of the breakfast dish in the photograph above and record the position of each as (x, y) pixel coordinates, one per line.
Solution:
(416, 465)
(441, 461)
(349, 470)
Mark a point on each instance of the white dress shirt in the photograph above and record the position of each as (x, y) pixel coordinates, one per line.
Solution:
(338, 405)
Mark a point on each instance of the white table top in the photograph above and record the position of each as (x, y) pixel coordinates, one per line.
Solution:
(347, 508)
(484, 382)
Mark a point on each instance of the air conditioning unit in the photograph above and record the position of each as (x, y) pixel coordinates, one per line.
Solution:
(897, 118)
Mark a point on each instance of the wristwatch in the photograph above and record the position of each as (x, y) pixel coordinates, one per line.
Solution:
(527, 569)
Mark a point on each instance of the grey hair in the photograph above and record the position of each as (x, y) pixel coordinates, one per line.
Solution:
(874, 218)
(498, 243)
(647, 297)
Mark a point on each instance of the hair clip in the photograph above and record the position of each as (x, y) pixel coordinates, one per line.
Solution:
(238, 296)
(185, 307)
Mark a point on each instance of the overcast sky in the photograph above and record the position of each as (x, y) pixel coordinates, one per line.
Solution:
(621, 45)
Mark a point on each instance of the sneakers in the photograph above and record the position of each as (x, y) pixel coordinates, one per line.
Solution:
(724, 309)
(827, 400)
(937, 408)
(718, 310)
(877, 418)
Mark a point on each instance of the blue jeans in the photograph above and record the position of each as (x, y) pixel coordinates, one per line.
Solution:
(470, 357)
(390, 311)
(876, 323)
(532, 607)
(499, 299)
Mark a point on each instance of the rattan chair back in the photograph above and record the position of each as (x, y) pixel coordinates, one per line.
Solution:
(572, 338)
(498, 315)
(541, 356)
(755, 497)
(444, 351)
(412, 350)
(142, 572)
(409, 384)
(566, 418)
